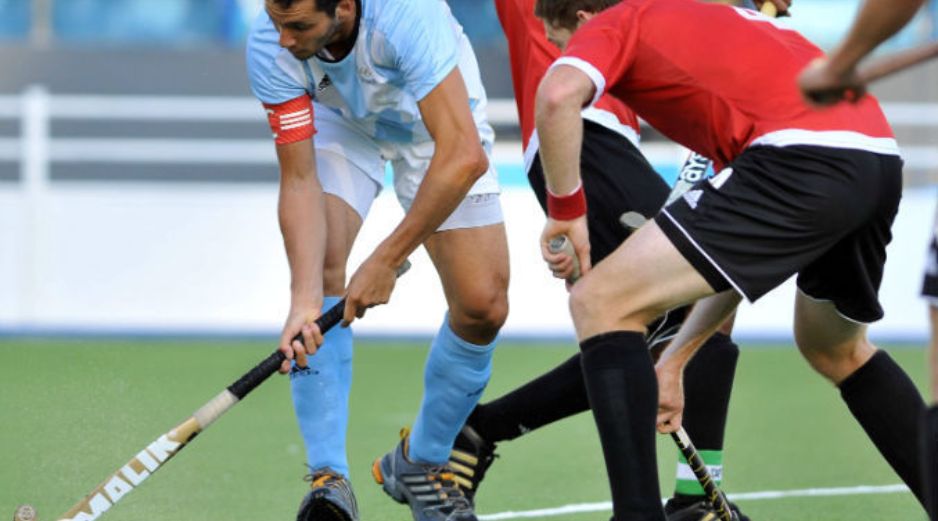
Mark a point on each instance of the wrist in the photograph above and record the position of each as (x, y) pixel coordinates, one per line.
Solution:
(567, 207)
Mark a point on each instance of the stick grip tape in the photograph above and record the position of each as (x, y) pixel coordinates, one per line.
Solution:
(271, 364)
(562, 244)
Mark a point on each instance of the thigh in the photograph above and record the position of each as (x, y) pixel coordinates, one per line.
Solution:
(342, 226)
(641, 280)
(472, 264)
(849, 273)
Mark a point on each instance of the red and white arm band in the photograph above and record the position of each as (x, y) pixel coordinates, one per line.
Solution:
(291, 121)
(566, 207)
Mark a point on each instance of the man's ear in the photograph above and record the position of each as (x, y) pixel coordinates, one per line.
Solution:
(584, 16)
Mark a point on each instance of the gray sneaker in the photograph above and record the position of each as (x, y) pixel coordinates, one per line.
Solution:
(331, 498)
(430, 490)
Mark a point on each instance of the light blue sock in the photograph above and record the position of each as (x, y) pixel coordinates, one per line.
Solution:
(454, 378)
(320, 398)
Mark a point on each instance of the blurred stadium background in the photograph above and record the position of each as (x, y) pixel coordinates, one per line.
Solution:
(138, 188)
(137, 178)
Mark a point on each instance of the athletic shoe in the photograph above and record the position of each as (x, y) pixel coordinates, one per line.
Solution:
(471, 458)
(331, 498)
(695, 509)
(431, 491)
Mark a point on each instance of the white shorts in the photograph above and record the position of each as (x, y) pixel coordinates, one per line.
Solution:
(351, 166)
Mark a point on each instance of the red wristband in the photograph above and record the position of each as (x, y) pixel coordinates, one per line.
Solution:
(566, 207)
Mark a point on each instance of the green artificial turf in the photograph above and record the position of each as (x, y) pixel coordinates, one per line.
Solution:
(73, 411)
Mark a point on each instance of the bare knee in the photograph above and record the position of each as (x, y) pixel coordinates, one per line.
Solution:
(836, 362)
(595, 311)
(479, 316)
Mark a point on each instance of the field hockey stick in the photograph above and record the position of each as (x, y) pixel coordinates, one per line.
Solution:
(156, 454)
(697, 465)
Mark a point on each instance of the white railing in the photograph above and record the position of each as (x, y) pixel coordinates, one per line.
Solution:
(35, 148)
(163, 256)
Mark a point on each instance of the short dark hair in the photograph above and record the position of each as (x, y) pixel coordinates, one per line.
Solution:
(326, 6)
(562, 13)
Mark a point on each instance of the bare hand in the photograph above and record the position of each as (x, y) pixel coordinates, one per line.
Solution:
(670, 398)
(371, 285)
(561, 264)
(303, 321)
(821, 85)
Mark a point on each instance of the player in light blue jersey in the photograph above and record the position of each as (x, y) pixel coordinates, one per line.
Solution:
(381, 81)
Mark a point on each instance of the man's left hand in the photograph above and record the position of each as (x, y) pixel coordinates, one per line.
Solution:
(370, 286)
(670, 397)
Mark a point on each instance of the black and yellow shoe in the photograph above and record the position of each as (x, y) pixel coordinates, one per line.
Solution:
(330, 498)
(431, 491)
(694, 508)
(471, 458)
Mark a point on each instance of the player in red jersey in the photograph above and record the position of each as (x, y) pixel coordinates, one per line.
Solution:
(834, 78)
(617, 179)
(798, 191)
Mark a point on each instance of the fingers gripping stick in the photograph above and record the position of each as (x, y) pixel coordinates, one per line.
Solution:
(156, 454)
(697, 465)
(561, 244)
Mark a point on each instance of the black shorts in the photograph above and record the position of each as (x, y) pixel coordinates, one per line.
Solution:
(823, 213)
(616, 179)
(930, 282)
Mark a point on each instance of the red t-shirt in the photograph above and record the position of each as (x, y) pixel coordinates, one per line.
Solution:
(531, 54)
(717, 79)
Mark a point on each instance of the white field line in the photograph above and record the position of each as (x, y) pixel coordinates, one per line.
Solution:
(606, 506)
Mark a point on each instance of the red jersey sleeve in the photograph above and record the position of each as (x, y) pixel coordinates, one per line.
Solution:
(292, 120)
(604, 47)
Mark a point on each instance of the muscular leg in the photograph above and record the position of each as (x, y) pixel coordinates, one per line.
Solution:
(320, 393)
(473, 267)
(644, 277)
(877, 391)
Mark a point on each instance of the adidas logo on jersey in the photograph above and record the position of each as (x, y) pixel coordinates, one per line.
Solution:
(324, 83)
(692, 197)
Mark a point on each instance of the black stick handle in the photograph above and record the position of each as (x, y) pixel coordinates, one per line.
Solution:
(271, 364)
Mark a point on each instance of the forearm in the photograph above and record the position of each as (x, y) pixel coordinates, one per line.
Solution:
(703, 320)
(452, 172)
(876, 22)
(303, 226)
(560, 131)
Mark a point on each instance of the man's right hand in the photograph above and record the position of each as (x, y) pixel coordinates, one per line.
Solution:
(822, 84)
(300, 320)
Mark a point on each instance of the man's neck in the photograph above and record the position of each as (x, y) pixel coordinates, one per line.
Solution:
(348, 33)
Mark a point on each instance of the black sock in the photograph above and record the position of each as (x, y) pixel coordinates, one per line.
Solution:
(623, 392)
(708, 383)
(889, 408)
(929, 447)
(555, 395)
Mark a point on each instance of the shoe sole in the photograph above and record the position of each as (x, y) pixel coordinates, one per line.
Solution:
(325, 510)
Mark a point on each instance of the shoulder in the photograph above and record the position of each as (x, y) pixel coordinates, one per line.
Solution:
(407, 18)
(274, 74)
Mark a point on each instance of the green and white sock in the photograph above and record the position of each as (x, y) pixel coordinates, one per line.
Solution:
(687, 484)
